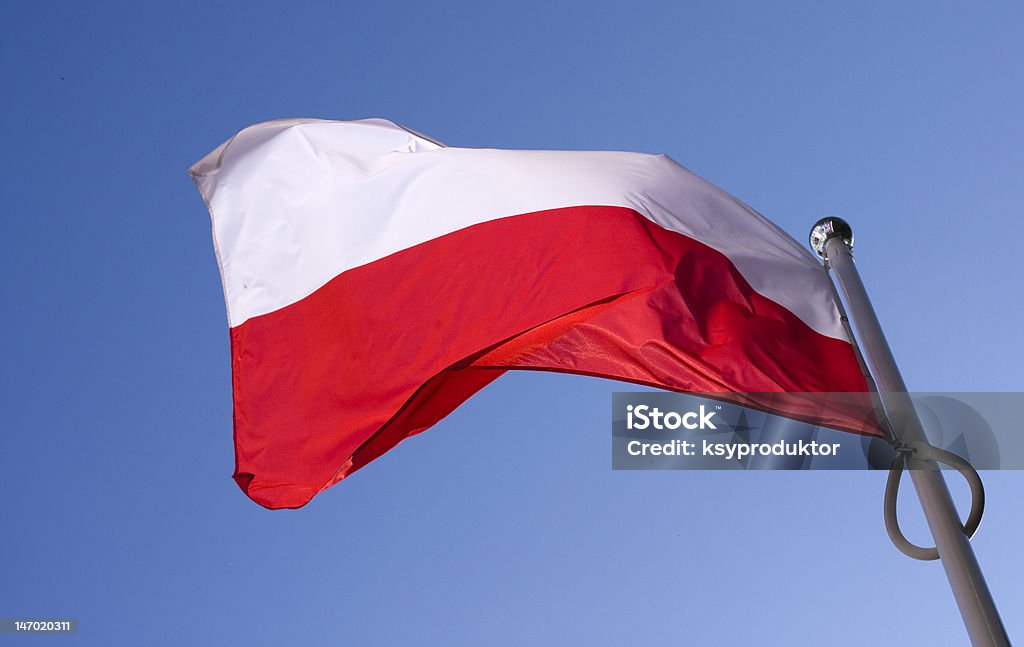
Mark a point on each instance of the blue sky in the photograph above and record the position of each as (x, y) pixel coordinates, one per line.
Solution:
(504, 524)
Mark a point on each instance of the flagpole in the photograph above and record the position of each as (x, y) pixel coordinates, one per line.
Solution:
(832, 238)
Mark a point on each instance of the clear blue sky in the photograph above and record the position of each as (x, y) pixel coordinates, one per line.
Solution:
(503, 525)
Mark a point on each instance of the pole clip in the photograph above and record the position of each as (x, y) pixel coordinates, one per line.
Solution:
(923, 451)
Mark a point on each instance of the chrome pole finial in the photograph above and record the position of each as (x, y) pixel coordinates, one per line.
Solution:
(830, 227)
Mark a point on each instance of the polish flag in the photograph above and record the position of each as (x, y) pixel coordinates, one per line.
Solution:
(375, 279)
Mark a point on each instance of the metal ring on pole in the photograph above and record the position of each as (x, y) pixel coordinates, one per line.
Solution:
(892, 486)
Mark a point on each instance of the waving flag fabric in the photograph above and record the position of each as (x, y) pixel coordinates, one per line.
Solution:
(375, 279)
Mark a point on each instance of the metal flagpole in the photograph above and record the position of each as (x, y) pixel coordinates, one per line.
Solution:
(832, 238)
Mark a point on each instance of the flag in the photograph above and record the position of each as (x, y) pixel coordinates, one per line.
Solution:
(375, 279)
